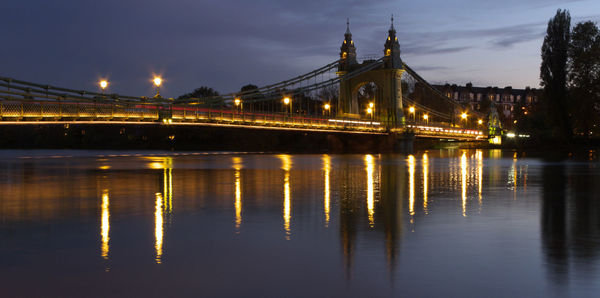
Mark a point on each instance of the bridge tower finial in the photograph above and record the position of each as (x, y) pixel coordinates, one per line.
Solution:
(348, 26)
(392, 26)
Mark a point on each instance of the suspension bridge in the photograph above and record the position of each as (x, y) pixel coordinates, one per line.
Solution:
(330, 99)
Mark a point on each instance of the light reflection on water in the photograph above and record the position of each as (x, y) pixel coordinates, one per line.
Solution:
(326, 188)
(391, 223)
(237, 166)
(370, 168)
(105, 225)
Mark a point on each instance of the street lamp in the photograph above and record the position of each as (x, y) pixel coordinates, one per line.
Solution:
(103, 84)
(426, 118)
(326, 107)
(287, 101)
(479, 121)
(412, 111)
(157, 82)
(238, 103)
(463, 116)
(370, 112)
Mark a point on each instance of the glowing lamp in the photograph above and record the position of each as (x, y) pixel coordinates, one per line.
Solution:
(157, 81)
(103, 84)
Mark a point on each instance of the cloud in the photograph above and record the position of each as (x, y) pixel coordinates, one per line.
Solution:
(432, 68)
(433, 50)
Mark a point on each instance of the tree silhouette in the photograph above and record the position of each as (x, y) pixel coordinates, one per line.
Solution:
(553, 73)
(584, 76)
(200, 93)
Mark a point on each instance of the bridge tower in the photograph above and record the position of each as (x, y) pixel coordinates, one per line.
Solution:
(387, 77)
(347, 51)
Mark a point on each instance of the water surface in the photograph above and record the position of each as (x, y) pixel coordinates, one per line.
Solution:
(436, 223)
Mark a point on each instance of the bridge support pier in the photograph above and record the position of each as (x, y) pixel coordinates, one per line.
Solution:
(403, 142)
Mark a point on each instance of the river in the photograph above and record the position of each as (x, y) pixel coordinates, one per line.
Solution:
(436, 223)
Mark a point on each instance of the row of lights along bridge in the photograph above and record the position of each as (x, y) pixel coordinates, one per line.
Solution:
(287, 102)
(237, 101)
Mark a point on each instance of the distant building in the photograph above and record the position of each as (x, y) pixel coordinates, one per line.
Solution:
(505, 99)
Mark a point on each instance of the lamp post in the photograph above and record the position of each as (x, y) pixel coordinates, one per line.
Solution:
(238, 103)
(157, 82)
(287, 102)
(370, 112)
(426, 118)
(464, 116)
(326, 108)
(412, 112)
(103, 85)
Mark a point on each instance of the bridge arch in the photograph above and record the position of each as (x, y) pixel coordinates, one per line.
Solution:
(362, 101)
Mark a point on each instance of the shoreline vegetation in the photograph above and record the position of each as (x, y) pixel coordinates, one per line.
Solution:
(567, 115)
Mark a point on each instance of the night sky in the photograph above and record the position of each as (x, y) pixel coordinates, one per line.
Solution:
(225, 44)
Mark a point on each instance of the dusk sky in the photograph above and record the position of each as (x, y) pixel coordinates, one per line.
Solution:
(226, 44)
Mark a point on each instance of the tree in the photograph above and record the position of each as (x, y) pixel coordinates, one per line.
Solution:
(200, 93)
(584, 75)
(553, 73)
(253, 99)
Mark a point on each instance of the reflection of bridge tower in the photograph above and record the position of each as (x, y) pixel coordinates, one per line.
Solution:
(387, 77)
(385, 181)
(348, 218)
(391, 209)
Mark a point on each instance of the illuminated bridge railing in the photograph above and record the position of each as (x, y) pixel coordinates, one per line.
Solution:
(433, 131)
(12, 111)
(22, 111)
(55, 111)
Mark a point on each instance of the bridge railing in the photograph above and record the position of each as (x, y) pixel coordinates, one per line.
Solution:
(44, 110)
(436, 131)
(68, 110)
(18, 109)
(238, 117)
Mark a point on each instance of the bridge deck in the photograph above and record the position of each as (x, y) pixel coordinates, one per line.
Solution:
(54, 112)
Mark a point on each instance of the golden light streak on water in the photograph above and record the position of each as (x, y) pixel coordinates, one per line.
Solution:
(326, 190)
(411, 185)
(287, 200)
(105, 225)
(370, 168)
(158, 227)
(170, 176)
(463, 170)
(513, 174)
(168, 189)
(237, 165)
(287, 208)
(479, 174)
(425, 182)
